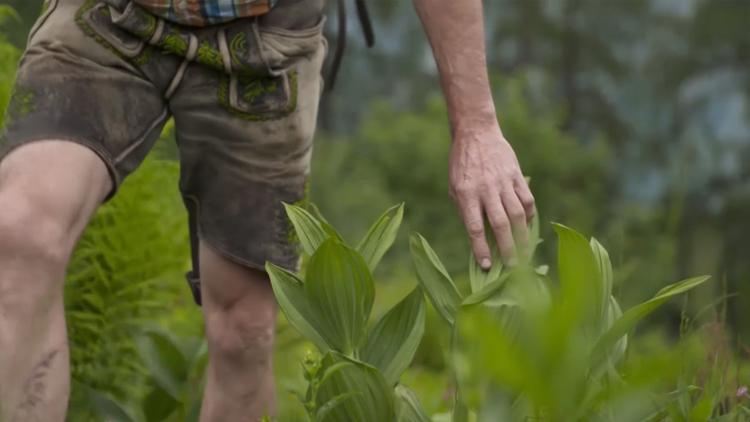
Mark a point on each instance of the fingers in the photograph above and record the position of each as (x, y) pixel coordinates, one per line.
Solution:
(508, 210)
(517, 216)
(525, 196)
(501, 226)
(471, 210)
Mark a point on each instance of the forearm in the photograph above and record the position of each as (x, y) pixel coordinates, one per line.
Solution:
(456, 32)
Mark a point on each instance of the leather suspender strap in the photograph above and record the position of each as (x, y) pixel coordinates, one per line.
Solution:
(193, 276)
(369, 34)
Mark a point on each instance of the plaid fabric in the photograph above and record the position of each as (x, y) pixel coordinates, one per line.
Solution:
(206, 12)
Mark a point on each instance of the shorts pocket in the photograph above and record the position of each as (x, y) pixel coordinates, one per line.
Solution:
(95, 19)
(48, 7)
(255, 48)
(259, 98)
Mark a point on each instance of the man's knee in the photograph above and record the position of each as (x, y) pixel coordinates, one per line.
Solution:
(35, 245)
(241, 338)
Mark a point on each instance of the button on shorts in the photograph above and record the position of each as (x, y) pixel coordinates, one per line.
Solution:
(244, 97)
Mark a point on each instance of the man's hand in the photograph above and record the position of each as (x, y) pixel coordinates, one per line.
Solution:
(484, 172)
(485, 179)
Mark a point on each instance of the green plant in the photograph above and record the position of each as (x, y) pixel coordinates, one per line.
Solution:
(356, 378)
(524, 349)
(520, 347)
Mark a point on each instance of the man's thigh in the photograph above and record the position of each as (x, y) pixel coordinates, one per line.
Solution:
(58, 179)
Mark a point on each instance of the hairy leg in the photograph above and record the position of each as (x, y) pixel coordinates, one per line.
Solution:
(240, 312)
(48, 192)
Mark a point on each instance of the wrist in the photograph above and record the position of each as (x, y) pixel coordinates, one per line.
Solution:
(474, 119)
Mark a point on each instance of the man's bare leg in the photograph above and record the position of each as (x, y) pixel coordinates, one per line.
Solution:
(48, 192)
(240, 312)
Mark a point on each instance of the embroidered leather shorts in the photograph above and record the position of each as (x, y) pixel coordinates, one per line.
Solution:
(244, 97)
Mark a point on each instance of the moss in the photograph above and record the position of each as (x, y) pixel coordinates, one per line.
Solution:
(174, 44)
(209, 56)
(21, 104)
(45, 7)
(223, 97)
(256, 87)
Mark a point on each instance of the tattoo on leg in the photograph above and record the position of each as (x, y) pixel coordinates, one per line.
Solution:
(34, 390)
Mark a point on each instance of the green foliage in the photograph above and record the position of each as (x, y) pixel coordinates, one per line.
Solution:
(9, 56)
(126, 274)
(331, 305)
(558, 348)
(435, 279)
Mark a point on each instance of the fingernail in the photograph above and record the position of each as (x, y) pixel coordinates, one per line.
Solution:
(486, 264)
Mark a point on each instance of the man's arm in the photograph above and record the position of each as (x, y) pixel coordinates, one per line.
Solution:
(485, 176)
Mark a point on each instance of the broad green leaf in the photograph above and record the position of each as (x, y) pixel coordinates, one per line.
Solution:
(106, 407)
(461, 413)
(408, 407)
(478, 278)
(315, 211)
(164, 361)
(633, 315)
(332, 404)
(340, 292)
(394, 339)
(381, 236)
(158, 405)
(613, 314)
(486, 291)
(290, 294)
(605, 269)
(579, 277)
(534, 238)
(434, 278)
(370, 397)
(310, 231)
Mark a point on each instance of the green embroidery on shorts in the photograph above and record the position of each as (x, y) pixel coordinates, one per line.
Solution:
(21, 104)
(237, 48)
(210, 56)
(174, 44)
(256, 87)
(140, 59)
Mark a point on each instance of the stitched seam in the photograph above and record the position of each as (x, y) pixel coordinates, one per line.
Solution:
(159, 120)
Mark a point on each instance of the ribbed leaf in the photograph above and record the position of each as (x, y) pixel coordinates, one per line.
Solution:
(579, 275)
(340, 291)
(106, 407)
(310, 231)
(290, 294)
(478, 278)
(381, 236)
(486, 291)
(369, 399)
(631, 317)
(166, 364)
(434, 278)
(408, 407)
(605, 270)
(394, 339)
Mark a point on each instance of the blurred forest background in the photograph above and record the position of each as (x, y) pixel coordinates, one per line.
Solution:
(632, 118)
